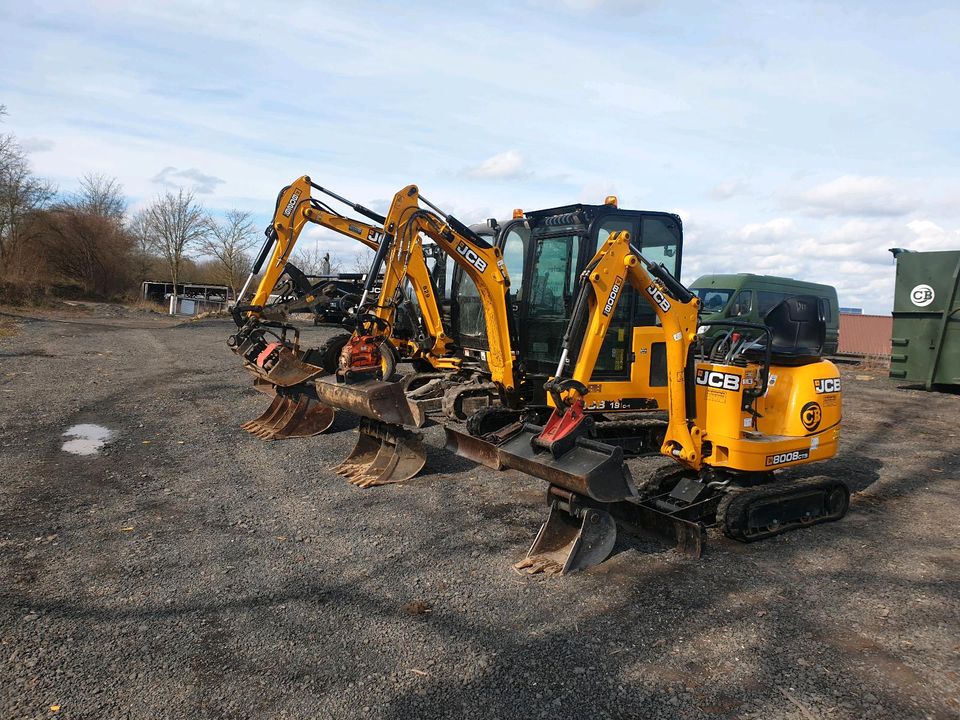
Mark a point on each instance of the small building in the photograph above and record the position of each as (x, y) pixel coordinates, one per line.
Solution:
(191, 298)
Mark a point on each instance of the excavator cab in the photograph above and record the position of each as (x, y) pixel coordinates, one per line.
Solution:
(545, 251)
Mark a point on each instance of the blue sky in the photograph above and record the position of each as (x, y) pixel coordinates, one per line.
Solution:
(800, 139)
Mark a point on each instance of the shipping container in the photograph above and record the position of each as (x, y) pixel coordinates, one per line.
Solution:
(926, 318)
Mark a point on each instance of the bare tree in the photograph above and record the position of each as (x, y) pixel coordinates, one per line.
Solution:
(363, 260)
(84, 250)
(20, 194)
(315, 262)
(177, 225)
(228, 241)
(101, 195)
(143, 258)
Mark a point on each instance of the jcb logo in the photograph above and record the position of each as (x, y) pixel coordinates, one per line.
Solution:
(471, 257)
(720, 380)
(659, 298)
(810, 415)
(826, 385)
(376, 236)
(614, 292)
(291, 203)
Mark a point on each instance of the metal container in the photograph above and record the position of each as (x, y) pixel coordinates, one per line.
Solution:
(926, 318)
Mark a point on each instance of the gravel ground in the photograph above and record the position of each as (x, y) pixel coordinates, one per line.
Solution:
(190, 570)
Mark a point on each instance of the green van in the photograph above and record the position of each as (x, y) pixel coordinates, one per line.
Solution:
(750, 297)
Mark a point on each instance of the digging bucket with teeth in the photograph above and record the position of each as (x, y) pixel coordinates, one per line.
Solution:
(372, 399)
(575, 537)
(291, 416)
(384, 453)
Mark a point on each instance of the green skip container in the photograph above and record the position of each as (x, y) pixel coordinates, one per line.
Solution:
(926, 318)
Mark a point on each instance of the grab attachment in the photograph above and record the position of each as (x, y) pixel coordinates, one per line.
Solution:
(574, 537)
(383, 454)
(291, 416)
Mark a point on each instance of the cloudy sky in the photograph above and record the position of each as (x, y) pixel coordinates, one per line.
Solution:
(799, 139)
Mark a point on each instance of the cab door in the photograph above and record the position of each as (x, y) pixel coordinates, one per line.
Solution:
(468, 323)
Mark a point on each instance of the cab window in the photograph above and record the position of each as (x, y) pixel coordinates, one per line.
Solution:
(767, 300)
(741, 303)
(825, 309)
(514, 255)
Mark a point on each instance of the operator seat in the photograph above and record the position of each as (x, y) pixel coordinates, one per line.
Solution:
(797, 332)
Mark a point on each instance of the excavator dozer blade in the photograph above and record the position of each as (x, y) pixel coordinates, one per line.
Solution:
(289, 417)
(567, 544)
(589, 468)
(373, 399)
(383, 454)
(473, 448)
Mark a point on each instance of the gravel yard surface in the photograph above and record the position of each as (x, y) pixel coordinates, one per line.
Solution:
(189, 570)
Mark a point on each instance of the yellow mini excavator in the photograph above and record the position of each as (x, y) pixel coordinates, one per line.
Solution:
(770, 401)
(270, 345)
(385, 450)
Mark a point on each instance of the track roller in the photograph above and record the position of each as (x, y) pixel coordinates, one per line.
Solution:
(383, 454)
(289, 417)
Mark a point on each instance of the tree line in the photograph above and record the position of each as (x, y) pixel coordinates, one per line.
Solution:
(89, 243)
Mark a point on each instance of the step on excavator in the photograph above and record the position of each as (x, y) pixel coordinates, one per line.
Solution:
(767, 401)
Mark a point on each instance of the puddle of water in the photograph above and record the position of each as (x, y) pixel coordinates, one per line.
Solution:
(86, 439)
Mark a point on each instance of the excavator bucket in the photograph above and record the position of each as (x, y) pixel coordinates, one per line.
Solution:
(383, 454)
(589, 468)
(372, 399)
(480, 450)
(289, 417)
(284, 368)
(570, 543)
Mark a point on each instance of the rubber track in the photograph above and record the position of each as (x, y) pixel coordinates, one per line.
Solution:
(733, 506)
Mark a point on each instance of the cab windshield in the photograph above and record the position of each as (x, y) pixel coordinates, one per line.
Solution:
(713, 300)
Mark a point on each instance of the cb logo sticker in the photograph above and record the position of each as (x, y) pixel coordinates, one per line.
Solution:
(810, 415)
(922, 295)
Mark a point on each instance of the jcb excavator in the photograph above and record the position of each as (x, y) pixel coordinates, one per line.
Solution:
(277, 361)
(386, 451)
(769, 402)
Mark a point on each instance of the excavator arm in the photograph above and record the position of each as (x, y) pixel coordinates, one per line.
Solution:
(407, 223)
(296, 208)
(602, 281)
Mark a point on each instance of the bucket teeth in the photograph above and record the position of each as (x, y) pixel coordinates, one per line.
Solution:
(383, 454)
(567, 544)
(288, 417)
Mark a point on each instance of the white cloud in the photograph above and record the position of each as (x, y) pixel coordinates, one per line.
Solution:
(728, 189)
(855, 195)
(508, 165)
(201, 182)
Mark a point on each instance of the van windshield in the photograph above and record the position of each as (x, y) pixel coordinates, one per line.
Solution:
(713, 299)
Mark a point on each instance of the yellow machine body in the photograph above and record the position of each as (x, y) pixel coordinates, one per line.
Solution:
(797, 419)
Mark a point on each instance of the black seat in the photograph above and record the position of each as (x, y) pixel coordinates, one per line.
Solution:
(797, 331)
